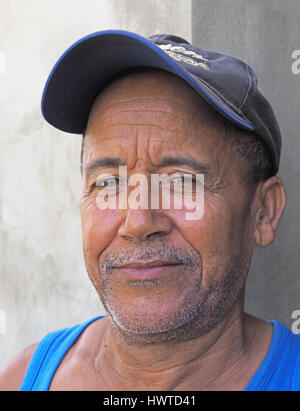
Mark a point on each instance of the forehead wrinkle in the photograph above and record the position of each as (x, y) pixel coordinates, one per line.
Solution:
(134, 125)
(154, 138)
(147, 100)
(158, 111)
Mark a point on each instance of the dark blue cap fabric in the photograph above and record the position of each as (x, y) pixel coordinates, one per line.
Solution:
(226, 83)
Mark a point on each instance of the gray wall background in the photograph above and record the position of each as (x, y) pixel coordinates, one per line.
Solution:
(43, 282)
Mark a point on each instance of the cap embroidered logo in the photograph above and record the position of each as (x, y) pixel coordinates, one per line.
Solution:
(172, 51)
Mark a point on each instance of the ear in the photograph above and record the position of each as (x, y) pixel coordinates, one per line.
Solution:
(270, 201)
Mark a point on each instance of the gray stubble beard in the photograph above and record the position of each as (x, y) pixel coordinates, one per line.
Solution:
(202, 309)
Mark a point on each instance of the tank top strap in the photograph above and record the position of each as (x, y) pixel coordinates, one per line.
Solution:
(49, 354)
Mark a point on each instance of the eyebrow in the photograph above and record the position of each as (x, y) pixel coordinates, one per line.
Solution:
(200, 168)
(112, 162)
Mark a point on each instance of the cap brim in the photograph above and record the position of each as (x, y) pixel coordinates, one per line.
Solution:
(92, 62)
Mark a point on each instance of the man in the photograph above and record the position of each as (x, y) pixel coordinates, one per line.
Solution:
(172, 287)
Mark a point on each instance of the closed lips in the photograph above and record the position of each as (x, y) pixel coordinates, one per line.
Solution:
(150, 264)
(148, 269)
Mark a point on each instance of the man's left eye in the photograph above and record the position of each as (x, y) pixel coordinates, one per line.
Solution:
(182, 179)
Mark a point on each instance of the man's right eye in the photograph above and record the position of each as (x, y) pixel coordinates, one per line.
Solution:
(107, 182)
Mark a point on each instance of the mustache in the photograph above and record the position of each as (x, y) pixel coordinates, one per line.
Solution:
(162, 251)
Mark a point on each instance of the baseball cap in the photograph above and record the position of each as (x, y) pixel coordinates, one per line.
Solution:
(228, 84)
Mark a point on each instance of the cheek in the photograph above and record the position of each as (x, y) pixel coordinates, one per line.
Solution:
(208, 235)
(217, 237)
(99, 228)
(211, 231)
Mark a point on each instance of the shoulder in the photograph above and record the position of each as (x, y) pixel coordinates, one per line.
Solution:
(51, 350)
(12, 375)
(289, 348)
(290, 340)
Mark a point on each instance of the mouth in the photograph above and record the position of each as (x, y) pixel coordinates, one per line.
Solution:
(142, 270)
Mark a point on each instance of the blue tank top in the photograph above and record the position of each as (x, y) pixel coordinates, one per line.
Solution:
(279, 371)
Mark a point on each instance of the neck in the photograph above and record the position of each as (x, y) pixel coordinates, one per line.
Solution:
(198, 363)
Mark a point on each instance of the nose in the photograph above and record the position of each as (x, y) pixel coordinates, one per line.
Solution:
(140, 225)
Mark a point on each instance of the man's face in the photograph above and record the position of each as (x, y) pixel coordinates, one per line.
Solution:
(147, 121)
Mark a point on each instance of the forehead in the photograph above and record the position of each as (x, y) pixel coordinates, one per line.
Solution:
(155, 92)
(153, 89)
(155, 109)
